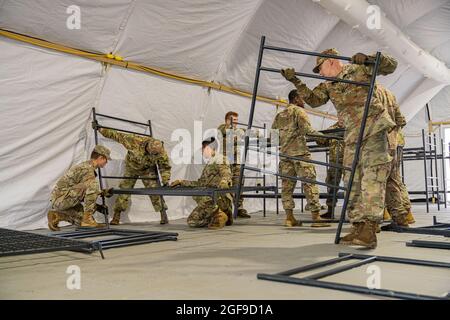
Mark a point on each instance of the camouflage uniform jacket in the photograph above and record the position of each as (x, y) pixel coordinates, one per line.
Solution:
(336, 146)
(389, 100)
(76, 181)
(349, 99)
(216, 174)
(237, 134)
(293, 125)
(137, 158)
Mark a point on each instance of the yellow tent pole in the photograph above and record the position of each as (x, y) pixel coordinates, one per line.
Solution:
(118, 61)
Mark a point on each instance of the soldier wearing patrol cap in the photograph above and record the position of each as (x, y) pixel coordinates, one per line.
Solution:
(367, 196)
(143, 156)
(75, 195)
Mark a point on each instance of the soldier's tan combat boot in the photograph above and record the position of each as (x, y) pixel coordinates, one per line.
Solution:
(366, 235)
(410, 217)
(164, 219)
(88, 221)
(290, 219)
(348, 238)
(54, 217)
(242, 213)
(386, 215)
(318, 221)
(116, 219)
(378, 228)
(218, 221)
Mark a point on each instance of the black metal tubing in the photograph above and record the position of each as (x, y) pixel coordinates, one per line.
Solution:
(311, 53)
(126, 131)
(429, 244)
(436, 172)
(347, 287)
(443, 173)
(295, 195)
(431, 230)
(282, 155)
(425, 171)
(158, 175)
(99, 171)
(295, 178)
(316, 265)
(13, 242)
(286, 276)
(122, 119)
(358, 147)
(125, 178)
(253, 126)
(337, 130)
(127, 237)
(249, 126)
(309, 75)
(331, 272)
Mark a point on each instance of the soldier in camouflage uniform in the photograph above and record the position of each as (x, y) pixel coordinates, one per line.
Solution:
(293, 125)
(335, 156)
(230, 127)
(216, 174)
(396, 203)
(404, 192)
(367, 196)
(75, 195)
(143, 156)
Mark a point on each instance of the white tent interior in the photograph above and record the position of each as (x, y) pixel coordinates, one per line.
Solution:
(47, 96)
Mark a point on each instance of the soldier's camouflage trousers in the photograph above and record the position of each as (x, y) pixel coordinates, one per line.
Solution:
(397, 197)
(334, 176)
(205, 210)
(300, 169)
(235, 171)
(123, 200)
(81, 198)
(367, 197)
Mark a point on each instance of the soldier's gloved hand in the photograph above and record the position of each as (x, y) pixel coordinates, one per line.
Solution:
(176, 183)
(359, 58)
(289, 74)
(95, 125)
(107, 192)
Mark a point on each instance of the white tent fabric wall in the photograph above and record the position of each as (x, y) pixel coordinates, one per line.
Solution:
(48, 95)
(45, 105)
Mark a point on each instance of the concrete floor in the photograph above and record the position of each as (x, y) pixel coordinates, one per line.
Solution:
(222, 264)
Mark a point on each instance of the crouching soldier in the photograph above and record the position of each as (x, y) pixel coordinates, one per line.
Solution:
(144, 155)
(75, 194)
(216, 174)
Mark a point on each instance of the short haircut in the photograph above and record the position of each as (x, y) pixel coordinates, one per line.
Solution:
(293, 95)
(211, 142)
(231, 113)
(95, 155)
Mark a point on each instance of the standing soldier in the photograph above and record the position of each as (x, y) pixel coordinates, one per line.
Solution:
(143, 156)
(216, 174)
(367, 196)
(293, 125)
(396, 204)
(336, 156)
(230, 127)
(75, 194)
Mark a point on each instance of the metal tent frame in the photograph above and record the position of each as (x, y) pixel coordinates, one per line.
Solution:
(314, 279)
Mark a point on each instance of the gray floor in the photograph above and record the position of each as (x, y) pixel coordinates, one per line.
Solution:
(222, 264)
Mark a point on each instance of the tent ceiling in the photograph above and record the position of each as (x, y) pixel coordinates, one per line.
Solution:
(218, 40)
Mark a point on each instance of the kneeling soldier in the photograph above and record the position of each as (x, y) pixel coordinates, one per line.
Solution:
(216, 174)
(75, 194)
